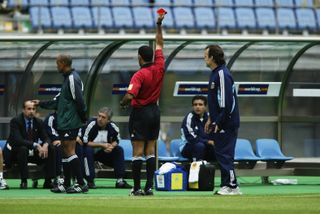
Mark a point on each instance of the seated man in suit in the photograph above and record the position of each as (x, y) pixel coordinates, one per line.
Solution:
(100, 143)
(29, 142)
(196, 145)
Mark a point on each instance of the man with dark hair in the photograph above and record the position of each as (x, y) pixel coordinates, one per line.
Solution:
(196, 144)
(144, 123)
(29, 142)
(71, 114)
(223, 123)
(100, 139)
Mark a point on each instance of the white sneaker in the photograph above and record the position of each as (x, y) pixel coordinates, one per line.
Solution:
(224, 191)
(3, 184)
(236, 191)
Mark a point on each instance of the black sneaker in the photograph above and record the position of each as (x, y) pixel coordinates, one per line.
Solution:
(136, 193)
(92, 185)
(58, 189)
(148, 192)
(123, 185)
(77, 189)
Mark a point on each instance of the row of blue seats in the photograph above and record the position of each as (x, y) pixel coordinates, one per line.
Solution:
(178, 17)
(191, 3)
(266, 150)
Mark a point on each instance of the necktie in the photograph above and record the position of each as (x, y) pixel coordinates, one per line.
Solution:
(29, 130)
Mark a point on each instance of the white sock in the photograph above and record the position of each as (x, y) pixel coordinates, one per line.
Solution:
(1, 175)
(119, 180)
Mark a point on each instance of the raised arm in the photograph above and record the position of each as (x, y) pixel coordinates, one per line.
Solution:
(159, 37)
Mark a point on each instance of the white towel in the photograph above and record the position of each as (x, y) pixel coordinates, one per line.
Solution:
(166, 168)
(194, 171)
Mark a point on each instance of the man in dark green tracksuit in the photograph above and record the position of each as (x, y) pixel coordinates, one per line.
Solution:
(71, 113)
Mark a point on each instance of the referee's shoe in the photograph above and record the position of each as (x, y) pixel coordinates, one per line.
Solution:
(77, 188)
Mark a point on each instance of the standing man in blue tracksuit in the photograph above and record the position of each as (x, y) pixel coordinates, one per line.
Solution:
(223, 123)
(196, 144)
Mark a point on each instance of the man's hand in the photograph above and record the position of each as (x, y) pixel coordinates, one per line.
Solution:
(211, 142)
(79, 141)
(207, 126)
(56, 143)
(45, 150)
(108, 147)
(35, 102)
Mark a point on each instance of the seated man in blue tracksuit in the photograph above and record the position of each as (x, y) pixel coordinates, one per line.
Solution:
(100, 139)
(196, 145)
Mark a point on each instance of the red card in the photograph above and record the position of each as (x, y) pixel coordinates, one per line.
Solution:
(161, 11)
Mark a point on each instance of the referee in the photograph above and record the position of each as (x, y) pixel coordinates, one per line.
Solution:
(144, 123)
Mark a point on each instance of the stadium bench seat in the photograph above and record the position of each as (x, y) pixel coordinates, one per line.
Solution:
(266, 19)
(15, 3)
(163, 154)
(245, 18)
(59, 3)
(264, 3)
(183, 3)
(284, 3)
(127, 149)
(183, 17)
(168, 22)
(175, 150)
(203, 3)
(244, 154)
(223, 3)
(286, 18)
(76, 3)
(34, 3)
(102, 17)
(97, 3)
(122, 17)
(81, 17)
(143, 17)
(306, 19)
(243, 3)
(61, 17)
(304, 3)
(40, 17)
(204, 17)
(120, 2)
(269, 150)
(161, 3)
(226, 18)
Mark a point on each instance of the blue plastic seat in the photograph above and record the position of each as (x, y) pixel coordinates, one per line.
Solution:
(61, 17)
(306, 19)
(175, 150)
(245, 18)
(81, 17)
(269, 149)
(143, 17)
(40, 17)
(266, 18)
(318, 17)
(284, 3)
(33, 3)
(183, 17)
(163, 154)
(122, 17)
(120, 2)
(244, 151)
(286, 18)
(59, 2)
(264, 3)
(304, 3)
(127, 149)
(75, 3)
(14, 3)
(161, 3)
(187, 3)
(140, 3)
(2, 144)
(203, 3)
(226, 18)
(97, 3)
(168, 22)
(204, 17)
(102, 17)
(243, 3)
(224, 3)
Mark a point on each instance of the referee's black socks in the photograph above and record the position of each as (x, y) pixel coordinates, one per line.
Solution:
(151, 167)
(136, 172)
(74, 167)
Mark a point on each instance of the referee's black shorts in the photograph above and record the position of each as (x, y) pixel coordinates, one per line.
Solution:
(144, 123)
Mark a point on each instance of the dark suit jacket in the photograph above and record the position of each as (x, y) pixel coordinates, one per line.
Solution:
(18, 132)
